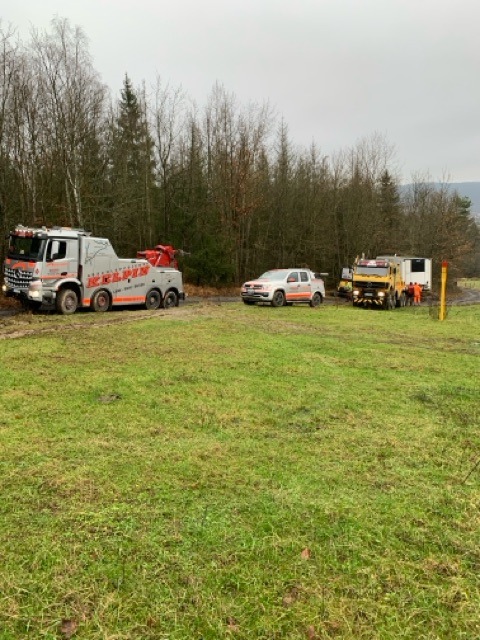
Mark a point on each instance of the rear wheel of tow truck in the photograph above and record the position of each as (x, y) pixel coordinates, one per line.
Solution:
(66, 302)
(278, 299)
(316, 299)
(101, 300)
(153, 300)
(170, 300)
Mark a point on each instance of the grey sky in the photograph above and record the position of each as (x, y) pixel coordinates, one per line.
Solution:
(337, 71)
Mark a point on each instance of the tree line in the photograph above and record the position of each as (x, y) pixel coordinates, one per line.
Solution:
(224, 182)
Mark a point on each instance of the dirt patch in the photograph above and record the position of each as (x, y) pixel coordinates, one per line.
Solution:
(28, 324)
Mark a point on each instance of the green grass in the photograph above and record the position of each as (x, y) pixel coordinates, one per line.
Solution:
(236, 472)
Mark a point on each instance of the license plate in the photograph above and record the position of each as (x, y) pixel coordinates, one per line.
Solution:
(368, 295)
(250, 291)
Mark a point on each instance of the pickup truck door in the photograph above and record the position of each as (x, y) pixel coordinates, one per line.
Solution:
(305, 290)
(292, 286)
(298, 287)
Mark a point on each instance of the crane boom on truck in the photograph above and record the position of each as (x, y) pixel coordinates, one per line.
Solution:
(69, 268)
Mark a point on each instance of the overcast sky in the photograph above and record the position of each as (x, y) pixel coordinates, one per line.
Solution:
(337, 71)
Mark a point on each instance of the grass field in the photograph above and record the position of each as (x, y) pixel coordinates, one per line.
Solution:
(236, 472)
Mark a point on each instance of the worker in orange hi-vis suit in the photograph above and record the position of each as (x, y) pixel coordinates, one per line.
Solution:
(417, 293)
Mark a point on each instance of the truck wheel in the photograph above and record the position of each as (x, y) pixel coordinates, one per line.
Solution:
(278, 299)
(316, 299)
(66, 302)
(100, 300)
(153, 300)
(170, 300)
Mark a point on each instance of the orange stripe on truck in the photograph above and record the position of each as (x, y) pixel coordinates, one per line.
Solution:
(121, 299)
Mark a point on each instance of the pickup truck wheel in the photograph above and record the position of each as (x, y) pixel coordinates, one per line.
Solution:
(66, 302)
(316, 299)
(278, 299)
(170, 300)
(153, 300)
(101, 300)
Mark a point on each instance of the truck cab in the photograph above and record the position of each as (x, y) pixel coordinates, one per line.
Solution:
(378, 283)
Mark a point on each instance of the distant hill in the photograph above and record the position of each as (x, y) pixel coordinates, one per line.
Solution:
(466, 190)
(469, 190)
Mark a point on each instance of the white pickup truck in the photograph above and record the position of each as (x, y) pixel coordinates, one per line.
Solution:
(281, 287)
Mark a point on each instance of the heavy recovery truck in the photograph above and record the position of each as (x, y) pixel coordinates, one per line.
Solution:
(67, 269)
(378, 283)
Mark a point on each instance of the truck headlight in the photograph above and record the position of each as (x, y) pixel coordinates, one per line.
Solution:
(4, 288)
(35, 289)
(356, 292)
(381, 294)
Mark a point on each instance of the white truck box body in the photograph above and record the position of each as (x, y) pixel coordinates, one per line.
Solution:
(414, 269)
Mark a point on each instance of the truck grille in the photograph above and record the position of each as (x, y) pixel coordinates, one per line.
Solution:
(18, 278)
(369, 285)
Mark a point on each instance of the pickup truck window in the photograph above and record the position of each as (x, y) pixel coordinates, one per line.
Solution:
(292, 277)
(303, 276)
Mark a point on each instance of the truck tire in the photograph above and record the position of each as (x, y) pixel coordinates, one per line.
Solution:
(153, 300)
(170, 300)
(316, 299)
(278, 299)
(66, 302)
(100, 300)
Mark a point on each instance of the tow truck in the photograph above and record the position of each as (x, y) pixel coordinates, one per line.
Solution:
(68, 269)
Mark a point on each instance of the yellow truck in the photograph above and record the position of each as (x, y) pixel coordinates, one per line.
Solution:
(378, 283)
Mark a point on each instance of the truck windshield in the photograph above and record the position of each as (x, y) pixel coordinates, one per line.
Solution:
(28, 248)
(371, 271)
(275, 275)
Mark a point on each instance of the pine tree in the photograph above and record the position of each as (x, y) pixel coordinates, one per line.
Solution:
(131, 174)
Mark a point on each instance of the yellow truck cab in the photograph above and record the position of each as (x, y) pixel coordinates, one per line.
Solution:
(378, 283)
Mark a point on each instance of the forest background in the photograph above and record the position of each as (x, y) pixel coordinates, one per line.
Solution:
(224, 182)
